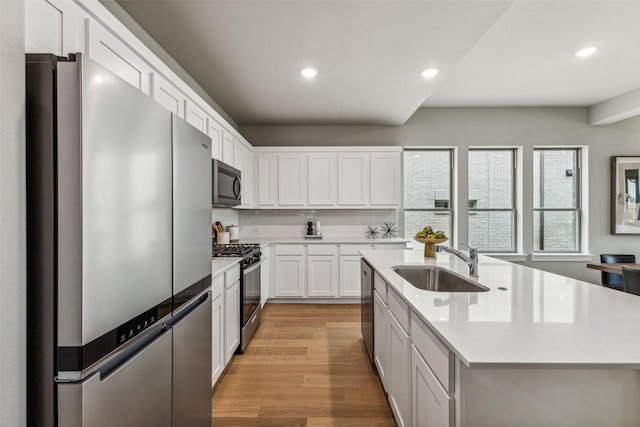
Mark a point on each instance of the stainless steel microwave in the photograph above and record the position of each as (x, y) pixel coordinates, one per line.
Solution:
(227, 184)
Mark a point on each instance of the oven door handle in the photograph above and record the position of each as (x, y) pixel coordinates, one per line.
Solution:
(251, 269)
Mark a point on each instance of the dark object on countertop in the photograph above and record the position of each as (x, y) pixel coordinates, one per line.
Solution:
(389, 230)
(313, 237)
(631, 280)
(372, 232)
(611, 280)
(310, 228)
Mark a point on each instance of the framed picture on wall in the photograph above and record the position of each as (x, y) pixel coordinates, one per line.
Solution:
(625, 195)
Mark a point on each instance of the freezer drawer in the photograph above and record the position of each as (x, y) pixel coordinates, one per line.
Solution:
(132, 392)
(192, 365)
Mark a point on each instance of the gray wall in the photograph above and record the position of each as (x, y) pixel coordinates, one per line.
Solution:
(12, 216)
(527, 127)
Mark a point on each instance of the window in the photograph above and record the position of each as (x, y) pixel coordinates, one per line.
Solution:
(556, 200)
(492, 200)
(427, 192)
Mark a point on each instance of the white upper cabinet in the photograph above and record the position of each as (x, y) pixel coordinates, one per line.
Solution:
(385, 179)
(267, 182)
(248, 179)
(238, 156)
(292, 174)
(52, 26)
(339, 178)
(227, 147)
(195, 116)
(322, 175)
(62, 27)
(353, 179)
(108, 50)
(214, 130)
(167, 95)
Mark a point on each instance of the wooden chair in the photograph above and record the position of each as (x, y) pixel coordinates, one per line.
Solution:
(612, 280)
(631, 280)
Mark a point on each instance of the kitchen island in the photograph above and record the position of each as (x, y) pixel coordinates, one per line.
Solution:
(536, 349)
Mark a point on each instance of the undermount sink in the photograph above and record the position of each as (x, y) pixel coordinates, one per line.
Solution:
(438, 279)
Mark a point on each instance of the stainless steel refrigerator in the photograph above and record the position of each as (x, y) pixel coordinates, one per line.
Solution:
(111, 331)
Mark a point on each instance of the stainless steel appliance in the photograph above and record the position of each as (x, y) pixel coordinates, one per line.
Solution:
(250, 311)
(227, 185)
(102, 273)
(191, 321)
(366, 308)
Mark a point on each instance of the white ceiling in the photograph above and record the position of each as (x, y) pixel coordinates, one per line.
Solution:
(248, 54)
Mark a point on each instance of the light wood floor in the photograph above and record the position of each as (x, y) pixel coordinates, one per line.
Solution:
(305, 366)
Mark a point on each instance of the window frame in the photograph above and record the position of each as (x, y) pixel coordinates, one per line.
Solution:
(514, 196)
(578, 208)
(450, 209)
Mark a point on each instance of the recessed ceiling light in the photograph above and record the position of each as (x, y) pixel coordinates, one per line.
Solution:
(587, 51)
(309, 72)
(430, 73)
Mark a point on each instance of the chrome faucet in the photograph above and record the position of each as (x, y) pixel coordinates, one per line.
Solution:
(471, 260)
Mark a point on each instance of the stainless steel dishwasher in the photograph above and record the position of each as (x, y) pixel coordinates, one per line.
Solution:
(366, 308)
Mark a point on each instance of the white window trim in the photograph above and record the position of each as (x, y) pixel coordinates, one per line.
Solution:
(519, 254)
(583, 255)
(453, 190)
(560, 257)
(509, 256)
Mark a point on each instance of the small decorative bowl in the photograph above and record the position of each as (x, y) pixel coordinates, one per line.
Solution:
(429, 246)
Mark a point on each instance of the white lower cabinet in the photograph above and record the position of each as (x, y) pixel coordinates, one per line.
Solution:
(290, 277)
(319, 270)
(431, 404)
(380, 337)
(265, 272)
(232, 320)
(322, 276)
(350, 275)
(225, 320)
(217, 339)
(398, 372)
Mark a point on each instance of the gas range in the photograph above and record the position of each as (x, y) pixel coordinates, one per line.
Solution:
(250, 252)
(250, 286)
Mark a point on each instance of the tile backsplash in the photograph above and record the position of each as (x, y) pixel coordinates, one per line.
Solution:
(226, 216)
(293, 223)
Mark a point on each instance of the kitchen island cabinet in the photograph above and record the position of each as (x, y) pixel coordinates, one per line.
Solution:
(536, 349)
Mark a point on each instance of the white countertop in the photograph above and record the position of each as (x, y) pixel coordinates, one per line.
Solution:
(265, 241)
(221, 264)
(542, 320)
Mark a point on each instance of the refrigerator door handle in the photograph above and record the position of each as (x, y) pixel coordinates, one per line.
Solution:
(191, 307)
(129, 353)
